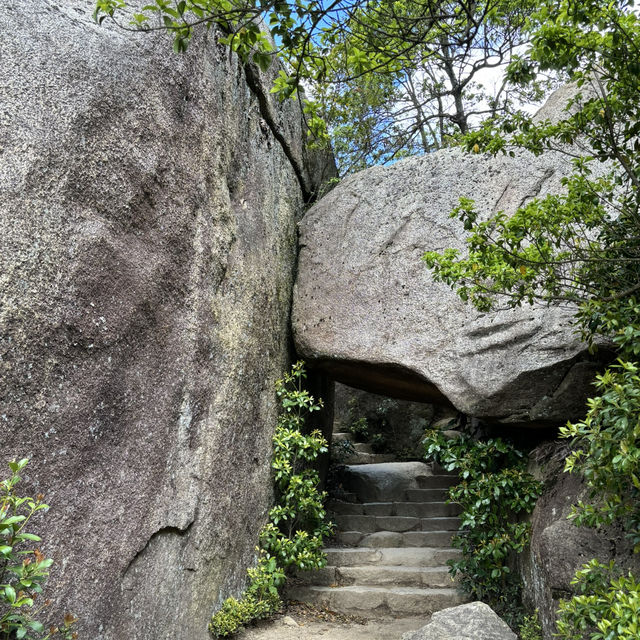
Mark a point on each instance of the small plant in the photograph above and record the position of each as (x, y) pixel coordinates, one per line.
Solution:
(23, 570)
(530, 629)
(294, 535)
(297, 525)
(359, 428)
(260, 599)
(607, 607)
(341, 451)
(494, 492)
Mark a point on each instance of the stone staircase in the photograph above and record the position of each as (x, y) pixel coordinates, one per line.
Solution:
(363, 453)
(392, 543)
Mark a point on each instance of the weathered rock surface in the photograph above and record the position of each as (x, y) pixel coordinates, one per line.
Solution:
(388, 481)
(558, 547)
(367, 310)
(473, 621)
(147, 246)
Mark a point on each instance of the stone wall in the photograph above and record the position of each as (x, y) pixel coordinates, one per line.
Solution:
(147, 248)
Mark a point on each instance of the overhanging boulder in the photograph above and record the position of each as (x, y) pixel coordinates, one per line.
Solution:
(367, 311)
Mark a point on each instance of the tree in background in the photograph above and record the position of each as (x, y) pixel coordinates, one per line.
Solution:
(433, 81)
(387, 78)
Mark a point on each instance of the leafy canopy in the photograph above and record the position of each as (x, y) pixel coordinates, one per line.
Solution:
(387, 77)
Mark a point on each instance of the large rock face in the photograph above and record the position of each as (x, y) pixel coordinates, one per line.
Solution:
(147, 245)
(367, 310)
(558, 547)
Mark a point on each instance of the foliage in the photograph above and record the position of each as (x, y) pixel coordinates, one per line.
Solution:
(297, 522)
(530, 629)
(293, 537)
(607, 607)
(580, 246)
(388, 78)
(260, 599)
(427, 85)
(607, 451)
(376, 426)
(359, 428)
(23, 570)
(494, 492)
(342, 451)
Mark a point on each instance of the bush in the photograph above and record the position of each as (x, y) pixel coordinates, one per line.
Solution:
(607, 451)
(260, 599)
(494, 492)
(530, 628)
(608, 607)
(23, 570)
(359, 428)
(294, 535)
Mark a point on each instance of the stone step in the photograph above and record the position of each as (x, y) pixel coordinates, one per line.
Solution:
(371, 524)
(363, 447)
(340, 436)
(395, 538)
(427, 509)
(437, 481)
(424, 495)
(390, 556)
(433, 577)
(429, 495)
(371, 601)
(411, 509)
(362, 458)
(346, 497)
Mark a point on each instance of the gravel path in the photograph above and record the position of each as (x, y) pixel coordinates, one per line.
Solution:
(301, 623)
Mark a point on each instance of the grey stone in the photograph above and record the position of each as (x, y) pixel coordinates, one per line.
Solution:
(413, 557)
(366, 524)
(440, 524)
(386, 482)
(367, 310)
(472, 621)
(147, 250)
(382, 539)
(427, 538)
(396, 575)
(349, 538)
(379, 508)
(372, 601)
(346, 508)
(427, 509)
(397, 523)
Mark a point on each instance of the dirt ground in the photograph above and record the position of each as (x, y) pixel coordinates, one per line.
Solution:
(303, 622)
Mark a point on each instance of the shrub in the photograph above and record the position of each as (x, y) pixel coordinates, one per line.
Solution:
(295, 533)
(607, 451)
(530, 629)
(260, 599)
(494, 492)
(23, 570)
(607, 608)
(359, 428)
